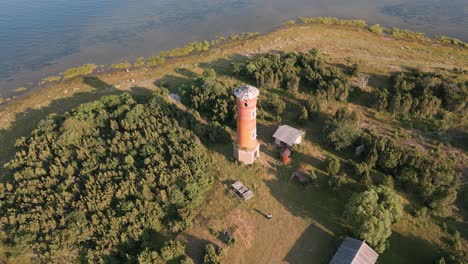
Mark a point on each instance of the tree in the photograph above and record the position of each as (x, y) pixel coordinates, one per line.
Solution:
(370, 215)
(304, 116)
(312, 176)
(343, 129)
(335, 182)
(212, 255)
(313, 106)
(333, 165)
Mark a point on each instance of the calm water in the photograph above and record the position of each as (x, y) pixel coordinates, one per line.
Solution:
(39, 38)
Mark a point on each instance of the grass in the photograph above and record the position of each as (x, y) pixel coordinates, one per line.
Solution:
(122, 65)
(20, 89)
(306, 220)
(78, 71)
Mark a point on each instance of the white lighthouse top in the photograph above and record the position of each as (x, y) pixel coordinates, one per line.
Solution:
(246, 92)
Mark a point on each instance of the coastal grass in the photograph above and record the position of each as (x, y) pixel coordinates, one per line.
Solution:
(78, 71)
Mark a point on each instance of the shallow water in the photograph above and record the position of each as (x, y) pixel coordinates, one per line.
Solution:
(39, 38)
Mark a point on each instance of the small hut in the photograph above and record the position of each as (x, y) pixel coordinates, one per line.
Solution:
(285, 155)
(288, 136)
(354, 251)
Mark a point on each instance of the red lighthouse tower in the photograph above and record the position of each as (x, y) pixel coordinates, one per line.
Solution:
(246, 149)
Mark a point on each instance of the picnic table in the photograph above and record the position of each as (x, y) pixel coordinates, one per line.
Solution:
(241, 190)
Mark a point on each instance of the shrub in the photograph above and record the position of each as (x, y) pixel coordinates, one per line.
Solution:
(377, 29)
(78, 71)
(139, 62)
(312, 176)
(334, 21)
(343, 129)
(333, 165)
(212, 255)
(335, 182)
(304, 116)
(154, 61)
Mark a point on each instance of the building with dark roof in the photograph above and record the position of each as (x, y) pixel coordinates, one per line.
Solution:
(354, 251)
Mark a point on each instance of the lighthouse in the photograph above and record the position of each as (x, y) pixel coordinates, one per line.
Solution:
(246, 148)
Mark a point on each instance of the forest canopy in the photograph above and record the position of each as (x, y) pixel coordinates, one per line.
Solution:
(101, 181)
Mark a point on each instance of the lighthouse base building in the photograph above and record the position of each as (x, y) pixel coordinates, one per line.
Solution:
(246, 148)
(246, 156)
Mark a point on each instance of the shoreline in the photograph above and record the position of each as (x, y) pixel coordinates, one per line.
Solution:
(14, 106)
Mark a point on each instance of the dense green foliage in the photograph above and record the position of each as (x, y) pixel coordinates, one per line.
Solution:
(423, 95)
(77, 71)
(212, 254)
(333, 165)
(343, 129)
(212, 97)
(291, 70)
(171, 252)
(101, 181)
(430, 175)
(370, 215)
(436, 100)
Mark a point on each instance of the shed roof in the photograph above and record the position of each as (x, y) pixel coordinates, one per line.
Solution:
(246, 92)
(354, 251)
(287, 134)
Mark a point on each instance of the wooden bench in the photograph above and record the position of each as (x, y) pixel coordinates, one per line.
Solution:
(241, 190)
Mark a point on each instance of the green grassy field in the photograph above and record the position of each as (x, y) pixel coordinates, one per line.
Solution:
(306, 220)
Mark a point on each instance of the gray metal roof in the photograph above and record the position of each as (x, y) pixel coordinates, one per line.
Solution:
(246, 92)
(353, 251)
(287, 134)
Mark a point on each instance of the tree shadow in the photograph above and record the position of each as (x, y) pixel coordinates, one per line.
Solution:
(194, 247)
(409, 250)
(223, 66)
(302, 251)
(186, 72)
(172, 83)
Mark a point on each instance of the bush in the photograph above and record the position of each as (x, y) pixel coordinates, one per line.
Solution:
(274, 104)
(334, 21)
(343, 129)
(335, 182)
(376, 29)
(77, 71)
(333, 165)
(212, 255)
(312, 176)
(288, 70)
(304, 116)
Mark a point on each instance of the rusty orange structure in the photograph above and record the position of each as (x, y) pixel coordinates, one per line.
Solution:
(246, 148)
(285, 155)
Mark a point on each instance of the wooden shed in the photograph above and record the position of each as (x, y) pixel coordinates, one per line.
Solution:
(289, 136)
(354, 251)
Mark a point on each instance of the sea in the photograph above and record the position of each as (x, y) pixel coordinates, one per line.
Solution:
(40, 38)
